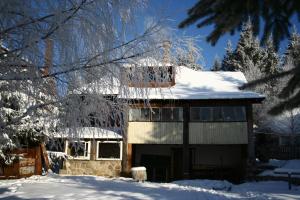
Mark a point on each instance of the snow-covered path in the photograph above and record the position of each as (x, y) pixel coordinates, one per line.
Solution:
(92, 187)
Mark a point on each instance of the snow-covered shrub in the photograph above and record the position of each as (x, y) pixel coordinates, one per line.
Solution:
(56, 160)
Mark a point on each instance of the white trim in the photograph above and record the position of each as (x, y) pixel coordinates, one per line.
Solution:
(80, 157)
(121, 148)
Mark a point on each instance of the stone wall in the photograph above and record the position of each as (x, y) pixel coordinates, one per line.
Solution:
(109, 168)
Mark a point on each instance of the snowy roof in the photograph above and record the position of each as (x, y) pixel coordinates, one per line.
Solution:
(89, 132)
(191, 84)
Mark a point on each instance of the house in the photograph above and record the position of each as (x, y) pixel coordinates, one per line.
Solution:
(279, 137)
(183, 123)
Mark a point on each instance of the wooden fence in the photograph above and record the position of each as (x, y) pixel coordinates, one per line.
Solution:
(268, 146)
(29, 163)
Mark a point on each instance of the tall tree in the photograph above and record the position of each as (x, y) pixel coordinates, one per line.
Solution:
(188, 54)
(217, 65)
(272, 60)
(248, 52)
(227, 64)
(290, 93)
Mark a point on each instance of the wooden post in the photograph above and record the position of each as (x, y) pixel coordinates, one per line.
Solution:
(129, 158)
(45, 156)
(186, 155)
(38, 161)
(251, 137)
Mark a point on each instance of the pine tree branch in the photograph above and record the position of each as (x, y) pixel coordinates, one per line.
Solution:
(267, 78)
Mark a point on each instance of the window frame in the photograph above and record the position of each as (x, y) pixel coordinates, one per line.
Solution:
(110, 141)
(160, 113)
(88, 157)
(222, 111)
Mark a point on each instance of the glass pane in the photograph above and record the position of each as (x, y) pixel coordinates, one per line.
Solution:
(86, 149)
(217, 114)
(109, 150)
(155, 114)
(240, 113)
(206, 114)
(77, 149)
(145, 115)
(177, 114)
(195, 113)
(134, 114)
(229, 114)
(166, 114)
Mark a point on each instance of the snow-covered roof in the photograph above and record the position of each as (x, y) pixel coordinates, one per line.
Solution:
(89, 132)
(191, 84)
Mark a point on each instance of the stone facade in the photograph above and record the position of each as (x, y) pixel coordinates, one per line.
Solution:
(108, 168)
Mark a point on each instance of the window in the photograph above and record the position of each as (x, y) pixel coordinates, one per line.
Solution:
(172, 114)
(156, 114)
(285, 141)
(218, 114)
(201, 114)
(139, 114)
(80, 150)
(109, 150)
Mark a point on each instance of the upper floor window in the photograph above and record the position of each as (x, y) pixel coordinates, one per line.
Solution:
(156, 114)
(218, 114)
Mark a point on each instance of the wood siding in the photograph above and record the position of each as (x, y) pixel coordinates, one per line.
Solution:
(155, 132)
(218, 133)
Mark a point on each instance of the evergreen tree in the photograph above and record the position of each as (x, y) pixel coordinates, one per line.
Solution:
(217, 66)
(24, 118)
(272, 61)
(227, 64)
(290, 93)
(248, 52)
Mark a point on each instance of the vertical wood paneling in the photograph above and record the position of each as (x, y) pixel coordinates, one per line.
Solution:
(155, 132)
(218, 133)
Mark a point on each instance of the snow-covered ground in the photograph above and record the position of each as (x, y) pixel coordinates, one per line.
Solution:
(283, 166)
(93, 187)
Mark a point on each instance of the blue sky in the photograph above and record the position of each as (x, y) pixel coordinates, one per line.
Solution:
(176, 11)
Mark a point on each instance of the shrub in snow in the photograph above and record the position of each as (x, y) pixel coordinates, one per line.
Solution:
(56, 160)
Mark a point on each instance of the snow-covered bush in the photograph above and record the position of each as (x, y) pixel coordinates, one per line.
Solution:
(56, 160)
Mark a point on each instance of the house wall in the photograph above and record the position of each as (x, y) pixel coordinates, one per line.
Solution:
(218, 133)
(91, 166)
(199, 133)
(109, 168)
(217, 155)
(155, 132)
